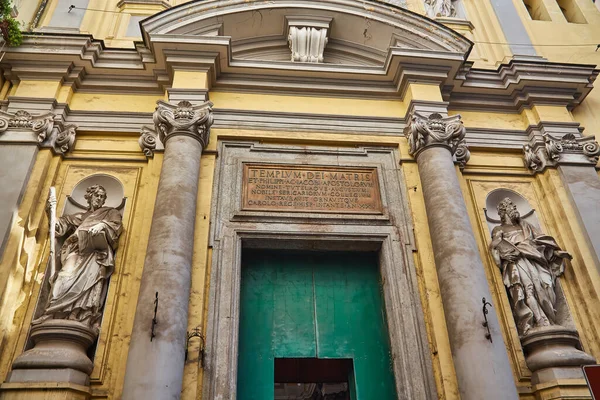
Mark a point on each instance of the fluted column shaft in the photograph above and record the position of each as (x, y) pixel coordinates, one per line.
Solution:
(155, 367)
(482, 368)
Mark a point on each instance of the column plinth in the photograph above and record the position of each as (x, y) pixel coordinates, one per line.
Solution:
(155, 367)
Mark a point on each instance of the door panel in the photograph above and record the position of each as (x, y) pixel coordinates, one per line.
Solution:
(307, 305)
(351, 320)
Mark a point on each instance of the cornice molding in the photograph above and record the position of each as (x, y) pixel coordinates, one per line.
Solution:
(88, 66)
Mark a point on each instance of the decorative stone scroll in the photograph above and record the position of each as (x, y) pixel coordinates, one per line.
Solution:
(307, 38)
(531, 264)
(148, 141)
(299, 188)
(49, 131)
(440, 8)
(568, 149)
(183, 119)
(437, 130)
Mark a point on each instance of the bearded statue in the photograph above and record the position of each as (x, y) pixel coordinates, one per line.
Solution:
(530, 263)
(440, 8)
(86, 261)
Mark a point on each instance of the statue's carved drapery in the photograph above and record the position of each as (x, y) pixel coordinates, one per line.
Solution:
(440, 8)
(86, 260)
(530, 263)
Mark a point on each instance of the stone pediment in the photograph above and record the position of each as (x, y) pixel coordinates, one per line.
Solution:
(361, 33)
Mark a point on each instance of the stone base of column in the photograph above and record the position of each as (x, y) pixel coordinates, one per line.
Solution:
(44, 391)
(554, 347)
(554, 358)
(59, 354)
(560, 383)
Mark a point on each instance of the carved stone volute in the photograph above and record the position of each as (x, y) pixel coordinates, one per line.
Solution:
(436, 130)
(49, 130)
(568, 149)
(184, 119)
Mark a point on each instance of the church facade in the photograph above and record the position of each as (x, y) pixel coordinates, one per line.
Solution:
(309, 199)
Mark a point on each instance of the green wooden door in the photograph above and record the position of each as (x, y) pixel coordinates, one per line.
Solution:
(312, 305)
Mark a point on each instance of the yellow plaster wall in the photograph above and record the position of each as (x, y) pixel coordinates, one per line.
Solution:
(307, 104)
(120, 155)
(562, 41)
(113, 102)
(38, 88)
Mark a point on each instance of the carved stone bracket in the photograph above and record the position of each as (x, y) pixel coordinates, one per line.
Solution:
(307, 38)
(64, 139)
(48, 129)
(182, 119)
(149, 142)
(436, 130)
(568, 149)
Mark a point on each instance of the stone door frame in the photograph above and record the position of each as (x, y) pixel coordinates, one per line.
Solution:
(233, 230)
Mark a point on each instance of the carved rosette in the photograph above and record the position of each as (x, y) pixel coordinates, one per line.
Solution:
(436, 130)
(48, 129)
(184, 119)
(147, 142)
(568, 149)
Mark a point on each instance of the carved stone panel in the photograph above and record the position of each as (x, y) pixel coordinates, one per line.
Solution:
(318, 189)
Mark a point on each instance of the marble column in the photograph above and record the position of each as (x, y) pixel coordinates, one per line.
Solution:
(155, 364)
(482, 368)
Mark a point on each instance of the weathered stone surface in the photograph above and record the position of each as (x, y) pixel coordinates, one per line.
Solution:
(554, 347)
(302, 188)
(155, 364)
(463, 283)
(59, 344)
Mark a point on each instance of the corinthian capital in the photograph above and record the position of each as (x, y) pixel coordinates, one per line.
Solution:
(568, 149)
(184, 119)
(436, 130)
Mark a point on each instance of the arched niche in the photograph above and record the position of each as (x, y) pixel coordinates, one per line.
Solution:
(528, 213)
(496, 196)
(115, 193)
(76, 203)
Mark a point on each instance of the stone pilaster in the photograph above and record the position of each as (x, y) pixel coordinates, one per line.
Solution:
(155, 363)
(482, 367)
(21, 134)
(561, 145)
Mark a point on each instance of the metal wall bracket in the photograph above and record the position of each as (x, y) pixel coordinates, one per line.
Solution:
(154, 321)
(195, 333)
(488, 335)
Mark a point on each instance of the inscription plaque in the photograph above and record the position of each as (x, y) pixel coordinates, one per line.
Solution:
(300, 188)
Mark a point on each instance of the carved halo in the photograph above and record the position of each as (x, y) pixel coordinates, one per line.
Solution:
(115, 195)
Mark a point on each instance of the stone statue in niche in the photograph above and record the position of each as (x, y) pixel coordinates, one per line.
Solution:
(530, 263)
(440, 8)
(86, 261)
